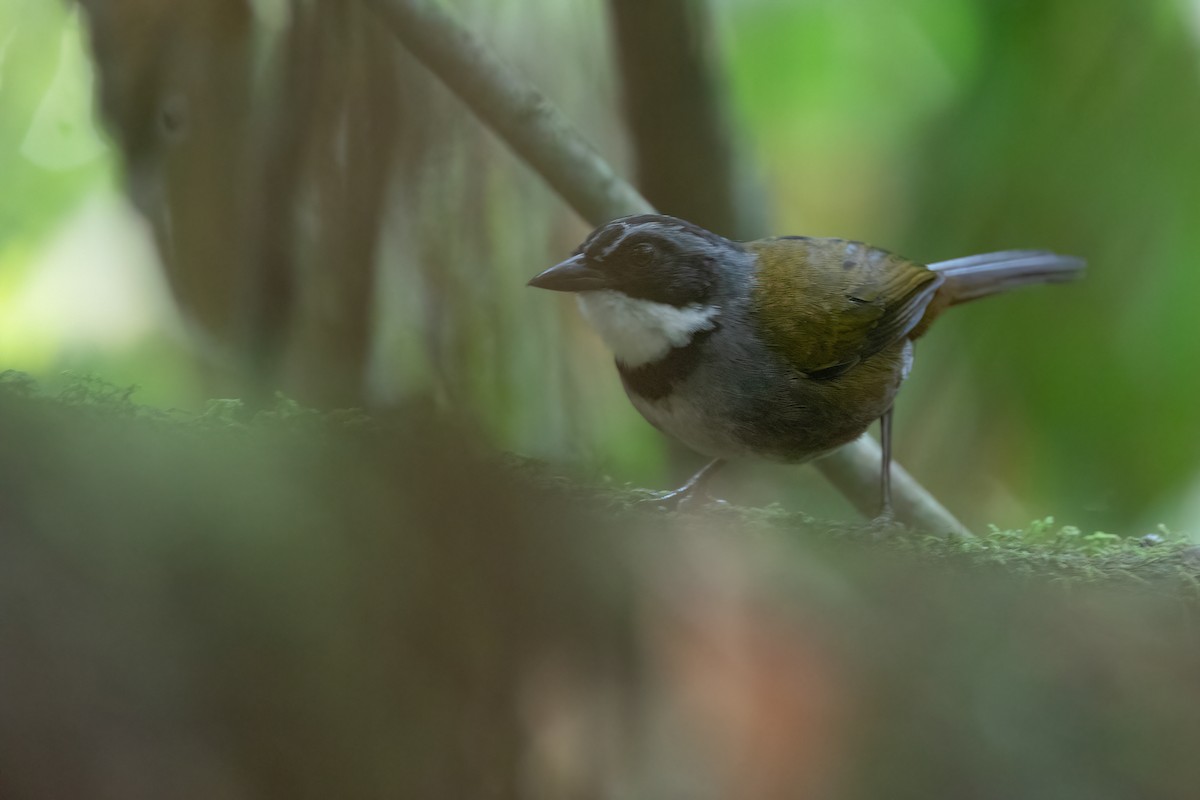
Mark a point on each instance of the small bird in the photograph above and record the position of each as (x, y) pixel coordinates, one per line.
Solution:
(782, 349)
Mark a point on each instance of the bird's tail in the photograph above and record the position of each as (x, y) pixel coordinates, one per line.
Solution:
(972, 277)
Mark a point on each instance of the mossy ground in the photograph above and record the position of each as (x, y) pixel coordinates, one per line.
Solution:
(1163, 562)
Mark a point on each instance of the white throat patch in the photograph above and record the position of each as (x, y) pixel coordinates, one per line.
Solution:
(641, 331)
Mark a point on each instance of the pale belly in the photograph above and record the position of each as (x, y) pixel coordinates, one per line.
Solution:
(695, 425)
(788, 418)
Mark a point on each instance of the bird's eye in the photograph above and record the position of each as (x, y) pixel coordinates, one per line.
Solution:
(642, 254)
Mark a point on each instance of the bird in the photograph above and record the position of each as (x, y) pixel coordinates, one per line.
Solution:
(781, 349)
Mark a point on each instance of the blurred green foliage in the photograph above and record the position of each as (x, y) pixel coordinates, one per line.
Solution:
(932, 127)
(49, 148)
(1080, 136)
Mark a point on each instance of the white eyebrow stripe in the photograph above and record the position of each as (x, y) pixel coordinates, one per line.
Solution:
(616, 242)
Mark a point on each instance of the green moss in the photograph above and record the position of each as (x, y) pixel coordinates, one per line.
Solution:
(1165, 561)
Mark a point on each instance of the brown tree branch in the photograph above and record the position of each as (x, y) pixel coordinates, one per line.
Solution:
(542, 136)
(519, 113)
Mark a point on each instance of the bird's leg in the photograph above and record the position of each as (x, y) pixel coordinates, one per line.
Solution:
(686, 495)
(886, 516)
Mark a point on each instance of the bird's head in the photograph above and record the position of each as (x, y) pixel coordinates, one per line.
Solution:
(647, 257)
(646, 283)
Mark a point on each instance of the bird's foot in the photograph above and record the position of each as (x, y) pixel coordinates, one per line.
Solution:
(886, 525)
(685, 499)
(692, 495)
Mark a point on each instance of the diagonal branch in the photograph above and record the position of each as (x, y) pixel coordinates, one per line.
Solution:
(519, 113)
(539, 133)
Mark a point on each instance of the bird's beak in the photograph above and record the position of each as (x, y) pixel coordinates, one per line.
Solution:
(572, 275)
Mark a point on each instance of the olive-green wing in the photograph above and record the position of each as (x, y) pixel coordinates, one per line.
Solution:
(826, 304)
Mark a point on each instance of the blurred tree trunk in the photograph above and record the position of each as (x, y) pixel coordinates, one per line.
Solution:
(351, 158)
(174, 89)
(677, 109)
(260, 152)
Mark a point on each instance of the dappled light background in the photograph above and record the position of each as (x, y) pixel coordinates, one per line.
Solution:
(934, 128)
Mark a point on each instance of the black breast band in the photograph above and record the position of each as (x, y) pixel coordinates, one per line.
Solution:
(656, 380)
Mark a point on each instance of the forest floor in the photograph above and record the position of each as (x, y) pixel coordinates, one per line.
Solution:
(1162, 562)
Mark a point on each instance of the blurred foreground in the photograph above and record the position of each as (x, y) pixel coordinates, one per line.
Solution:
(303, 605)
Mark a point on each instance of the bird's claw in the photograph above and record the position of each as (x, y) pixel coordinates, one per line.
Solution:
(886, 525)
(684, 499)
